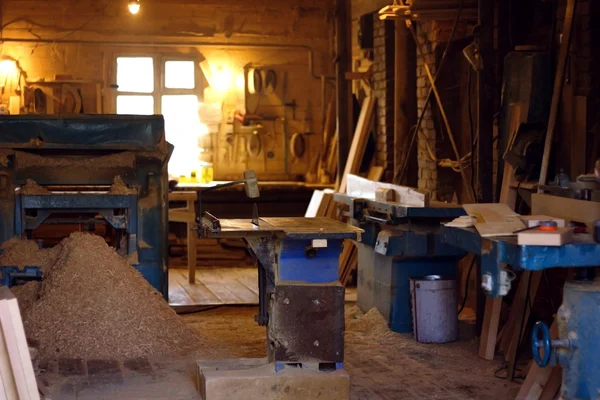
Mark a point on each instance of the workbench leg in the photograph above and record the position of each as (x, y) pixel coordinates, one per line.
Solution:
(191, 246)
(489, 332)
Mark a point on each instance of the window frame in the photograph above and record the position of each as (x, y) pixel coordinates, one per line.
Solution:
(158, 61)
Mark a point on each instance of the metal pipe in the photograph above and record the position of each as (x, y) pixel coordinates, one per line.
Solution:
(308, 49)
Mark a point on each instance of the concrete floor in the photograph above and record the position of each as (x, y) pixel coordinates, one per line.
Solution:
(382, 365)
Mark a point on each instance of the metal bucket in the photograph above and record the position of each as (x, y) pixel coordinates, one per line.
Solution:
(434, 309)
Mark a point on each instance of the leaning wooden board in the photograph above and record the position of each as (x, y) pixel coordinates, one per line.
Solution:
(20, 377)
(359, 141)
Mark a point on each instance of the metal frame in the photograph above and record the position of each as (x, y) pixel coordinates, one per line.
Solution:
(103, 204)
(581, 253)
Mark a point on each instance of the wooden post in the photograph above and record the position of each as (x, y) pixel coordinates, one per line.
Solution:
(485, 104)
(559, 81)
(405, 101)
(343, 94)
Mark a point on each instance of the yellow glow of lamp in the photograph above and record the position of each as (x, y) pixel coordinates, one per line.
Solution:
(134, 6)
(8, 68)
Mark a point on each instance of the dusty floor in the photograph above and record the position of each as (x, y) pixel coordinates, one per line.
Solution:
(382, 365)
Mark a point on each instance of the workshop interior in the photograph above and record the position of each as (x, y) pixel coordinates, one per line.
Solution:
(316, 199)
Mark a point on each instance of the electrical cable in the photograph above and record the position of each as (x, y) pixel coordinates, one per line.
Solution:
(400, 173)
(464, 302)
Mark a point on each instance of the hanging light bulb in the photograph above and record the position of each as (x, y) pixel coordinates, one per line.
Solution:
(134, 6)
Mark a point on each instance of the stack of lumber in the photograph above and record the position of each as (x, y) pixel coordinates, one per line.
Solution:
(210, 252)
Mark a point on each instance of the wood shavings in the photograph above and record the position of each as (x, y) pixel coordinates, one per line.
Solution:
(24, 253)
(92, 304)
(32, 188)
(119, 187)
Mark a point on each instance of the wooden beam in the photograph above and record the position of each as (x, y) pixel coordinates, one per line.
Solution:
(405, 102)
(359, 141)
(343, 94)
(559, 81)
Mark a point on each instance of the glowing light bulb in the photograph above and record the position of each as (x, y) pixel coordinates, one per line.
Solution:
(134, 6)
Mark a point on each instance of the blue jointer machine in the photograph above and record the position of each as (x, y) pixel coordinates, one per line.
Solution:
(399, 242)
(75, 160)
(577, 349)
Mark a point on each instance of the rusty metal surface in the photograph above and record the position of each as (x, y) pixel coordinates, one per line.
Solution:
(293, 228)
(307, 323)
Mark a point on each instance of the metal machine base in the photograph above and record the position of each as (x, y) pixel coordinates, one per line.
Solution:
(577, 349)
(384, 283)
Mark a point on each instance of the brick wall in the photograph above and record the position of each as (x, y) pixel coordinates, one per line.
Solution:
(383, 82)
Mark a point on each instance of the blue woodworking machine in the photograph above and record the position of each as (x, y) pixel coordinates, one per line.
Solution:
(577, 349)
(400, 242)
(77, 159)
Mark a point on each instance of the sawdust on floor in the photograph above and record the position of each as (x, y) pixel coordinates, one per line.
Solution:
(92, 304)
(382, 364)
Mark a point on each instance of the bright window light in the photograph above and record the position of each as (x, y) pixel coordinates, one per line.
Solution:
(182, 128)
(135, 74)
(180, 75)
(135, 105)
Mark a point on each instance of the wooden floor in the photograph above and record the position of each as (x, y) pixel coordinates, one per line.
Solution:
(218, 287)
(213, 287)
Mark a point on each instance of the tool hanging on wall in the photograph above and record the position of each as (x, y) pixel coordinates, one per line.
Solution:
(254, 144)
(255, 81)
(298, 145)
(270, 81)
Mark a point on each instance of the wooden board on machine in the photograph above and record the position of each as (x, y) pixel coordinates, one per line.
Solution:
(368, 189)
(494, 219)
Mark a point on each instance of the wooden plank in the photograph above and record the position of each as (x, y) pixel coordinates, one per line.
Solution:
(569, 209)
(538, 378)
(375, 174)
(13, 334)
(494, 219)
(366, 189)
(559, 81)
(519, 315)
(542, 238)
(198, 292)
(359, 142)
(491, 321)
(315, 203)
(218, 286)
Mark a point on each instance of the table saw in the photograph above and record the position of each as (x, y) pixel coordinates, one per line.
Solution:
(301, 304)
(576, 349)
(399, 242)
(75, 160)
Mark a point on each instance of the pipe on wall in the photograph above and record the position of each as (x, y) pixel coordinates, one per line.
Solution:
(308, 49)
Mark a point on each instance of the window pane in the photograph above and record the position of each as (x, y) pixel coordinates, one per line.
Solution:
(182, 128)
(179, 75)
(135, 105)
(135, 74)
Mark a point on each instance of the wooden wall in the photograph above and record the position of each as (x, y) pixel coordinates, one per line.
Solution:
(218, 30)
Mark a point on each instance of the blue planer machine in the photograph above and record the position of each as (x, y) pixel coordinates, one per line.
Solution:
(77, 159)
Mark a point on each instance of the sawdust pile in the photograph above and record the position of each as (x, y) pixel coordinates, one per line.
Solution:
(32, 188)
(23, 253)
(119, 187)
(92, 304)
(367, 327)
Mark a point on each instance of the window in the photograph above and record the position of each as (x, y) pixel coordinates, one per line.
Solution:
(171, 87)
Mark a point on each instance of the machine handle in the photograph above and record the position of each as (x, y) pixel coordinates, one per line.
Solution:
(543, 343)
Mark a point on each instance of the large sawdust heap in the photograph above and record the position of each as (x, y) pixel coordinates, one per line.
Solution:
(92, 304)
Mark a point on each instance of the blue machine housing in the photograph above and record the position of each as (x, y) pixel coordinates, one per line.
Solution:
(54, 151)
